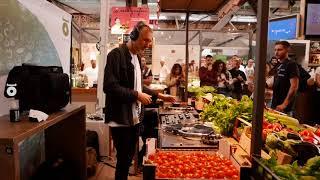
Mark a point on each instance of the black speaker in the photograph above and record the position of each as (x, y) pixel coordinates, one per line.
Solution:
(134, 35)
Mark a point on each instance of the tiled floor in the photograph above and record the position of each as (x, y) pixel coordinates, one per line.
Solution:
(105, 172)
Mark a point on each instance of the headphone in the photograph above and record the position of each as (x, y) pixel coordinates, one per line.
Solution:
(134, 35)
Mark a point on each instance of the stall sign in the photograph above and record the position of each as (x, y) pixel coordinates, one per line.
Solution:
(123, 19)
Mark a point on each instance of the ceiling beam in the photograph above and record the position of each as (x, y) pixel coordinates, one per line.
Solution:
(226, 13)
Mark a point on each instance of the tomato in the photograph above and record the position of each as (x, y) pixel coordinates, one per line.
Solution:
(228, 162)
(229, 173)
(235, 177)
(317, 132)
(270, 126)
(306, 132)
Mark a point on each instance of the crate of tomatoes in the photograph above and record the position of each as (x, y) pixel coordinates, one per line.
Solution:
(188, 164)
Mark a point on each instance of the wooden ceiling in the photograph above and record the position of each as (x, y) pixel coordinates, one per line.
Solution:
(194, 6)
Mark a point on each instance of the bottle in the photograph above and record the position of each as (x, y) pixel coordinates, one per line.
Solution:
(14, 110)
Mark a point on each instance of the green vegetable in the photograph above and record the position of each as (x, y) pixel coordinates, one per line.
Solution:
(222, 111)
(201, 91)
(273, 141)
(307, 178)
(313, 164)
(285, 171)
(286, 120)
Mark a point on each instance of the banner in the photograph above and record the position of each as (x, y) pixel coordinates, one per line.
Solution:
(35, 32)
(123, 19)
(57, 23)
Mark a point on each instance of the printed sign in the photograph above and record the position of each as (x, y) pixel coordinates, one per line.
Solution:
(123, 19)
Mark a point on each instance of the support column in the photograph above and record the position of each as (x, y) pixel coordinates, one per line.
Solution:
(104, 31)
(187, 57)
(260, 80)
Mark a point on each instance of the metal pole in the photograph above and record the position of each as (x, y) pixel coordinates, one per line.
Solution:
(250, 45)
(260, 81)
(200, 44)
(187, 57)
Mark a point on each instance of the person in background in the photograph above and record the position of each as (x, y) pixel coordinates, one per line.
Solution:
(222, 78)
(269, 84)
(192, 66)
(164, 71)
(249, 70)
(273, 63)
(91, 73)
(238, 79)
(175, 79)
(146, 72)
(126, 95)
(241, 68)
(286, 80)
(206, 73)
(229, 64)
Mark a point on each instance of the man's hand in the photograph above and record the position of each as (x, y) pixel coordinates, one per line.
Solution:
(281, 107)
(240, 78)
(144, 98)
(167, 98)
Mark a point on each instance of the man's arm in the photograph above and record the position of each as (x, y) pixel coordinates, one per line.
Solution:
(156, 95)
(294, 85)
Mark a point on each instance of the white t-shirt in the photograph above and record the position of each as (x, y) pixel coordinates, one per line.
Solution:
(92, 75)
(136, 106)
(164, 71)
(317, 70)
(242, 68)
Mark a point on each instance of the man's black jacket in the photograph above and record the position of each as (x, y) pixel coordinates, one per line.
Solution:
(119, 87)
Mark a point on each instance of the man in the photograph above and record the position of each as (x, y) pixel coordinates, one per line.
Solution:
(238, 78)
(286, 80)
(126, 95)
(91, 73)
(146, 72)
(206, 73)
(164, 71)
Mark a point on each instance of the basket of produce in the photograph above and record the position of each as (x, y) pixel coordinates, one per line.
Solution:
(168, 164)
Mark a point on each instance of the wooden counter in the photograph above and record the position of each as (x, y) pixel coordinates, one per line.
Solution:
(84, 95)
(87, 97)
(64, 133)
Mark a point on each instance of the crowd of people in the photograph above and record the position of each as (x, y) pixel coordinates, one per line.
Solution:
(284, 78)
(227, 78)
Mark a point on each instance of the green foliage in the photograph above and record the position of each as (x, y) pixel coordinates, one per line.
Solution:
(201, 91)
(223, 111)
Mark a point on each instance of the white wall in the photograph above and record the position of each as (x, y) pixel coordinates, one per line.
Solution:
(172, 54)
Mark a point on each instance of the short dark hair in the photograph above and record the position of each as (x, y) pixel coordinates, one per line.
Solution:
(208, 56)
(286, 44)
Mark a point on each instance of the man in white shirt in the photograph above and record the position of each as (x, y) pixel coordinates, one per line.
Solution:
(91, 73)
(126, 95)
(164, 71)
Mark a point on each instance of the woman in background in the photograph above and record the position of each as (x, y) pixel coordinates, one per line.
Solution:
(222, 78)
(175, 79)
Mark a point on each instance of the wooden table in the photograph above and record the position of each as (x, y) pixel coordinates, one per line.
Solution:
(64, 134)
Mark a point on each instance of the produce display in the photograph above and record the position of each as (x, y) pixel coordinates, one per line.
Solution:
(192, 165)
(201, 91)
(222, 112)
(309, 171)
